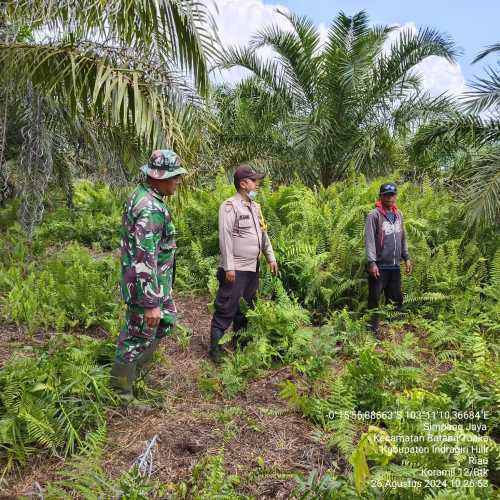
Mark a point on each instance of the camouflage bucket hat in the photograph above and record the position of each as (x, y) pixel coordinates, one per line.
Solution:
(163, 164)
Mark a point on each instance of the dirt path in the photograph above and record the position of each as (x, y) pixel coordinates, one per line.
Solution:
(256, 430)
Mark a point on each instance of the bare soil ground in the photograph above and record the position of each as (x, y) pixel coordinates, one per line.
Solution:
(256, 430)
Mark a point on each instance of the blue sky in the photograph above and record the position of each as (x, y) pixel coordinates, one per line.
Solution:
(472, 24)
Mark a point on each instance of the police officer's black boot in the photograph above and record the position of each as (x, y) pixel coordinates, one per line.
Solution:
(215, 349)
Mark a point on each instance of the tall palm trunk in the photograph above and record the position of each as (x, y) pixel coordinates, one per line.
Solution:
(5, 187)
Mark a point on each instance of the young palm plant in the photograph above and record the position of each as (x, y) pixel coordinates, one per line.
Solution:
(342, 99)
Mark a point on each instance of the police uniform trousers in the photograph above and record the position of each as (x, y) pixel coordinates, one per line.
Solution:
(227, 301)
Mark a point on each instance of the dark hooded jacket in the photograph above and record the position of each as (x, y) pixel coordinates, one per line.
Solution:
(385, 242)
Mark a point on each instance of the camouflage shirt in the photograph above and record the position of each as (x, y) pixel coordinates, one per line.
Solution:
(147, 249)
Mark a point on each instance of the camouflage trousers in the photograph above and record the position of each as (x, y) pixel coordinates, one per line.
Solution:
(136, 336)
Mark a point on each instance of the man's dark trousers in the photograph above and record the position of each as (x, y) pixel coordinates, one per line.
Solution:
(388, 282)
(227, 301)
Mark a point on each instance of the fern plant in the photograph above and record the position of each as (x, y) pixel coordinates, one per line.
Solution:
(85, 477)
(210, 480)
(69, 289)
(325, 487)
(55, 400)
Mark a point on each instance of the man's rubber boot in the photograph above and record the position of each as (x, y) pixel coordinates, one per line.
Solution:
(123, 376)
(215, 349)
(375, 325)
(145, 358)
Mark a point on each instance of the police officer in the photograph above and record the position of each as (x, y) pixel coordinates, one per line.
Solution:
(147, 270)
(386, 246)
(242, 239)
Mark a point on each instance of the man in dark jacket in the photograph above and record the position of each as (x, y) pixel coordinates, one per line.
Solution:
(386, 246)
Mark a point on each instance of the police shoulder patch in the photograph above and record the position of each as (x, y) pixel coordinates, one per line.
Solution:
(228, 205)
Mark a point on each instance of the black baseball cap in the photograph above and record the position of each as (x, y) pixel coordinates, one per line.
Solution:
(245, 172)
(388, 188)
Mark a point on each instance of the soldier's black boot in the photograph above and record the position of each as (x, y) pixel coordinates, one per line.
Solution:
(215, 349)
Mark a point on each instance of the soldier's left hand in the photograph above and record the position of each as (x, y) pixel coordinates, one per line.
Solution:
(152, 316)
(274, 267)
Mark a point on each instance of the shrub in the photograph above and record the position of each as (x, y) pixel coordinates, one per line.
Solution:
(368, 376)
(54, 400)
(274, 335)
(210, 480)
(68, 289)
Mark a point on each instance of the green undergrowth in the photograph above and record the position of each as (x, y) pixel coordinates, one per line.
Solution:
(55, 398)
(67, 289)
(279, 333)
(318, 236)
(93, 221)
(438, 356)
(380, 403)
(85, 477)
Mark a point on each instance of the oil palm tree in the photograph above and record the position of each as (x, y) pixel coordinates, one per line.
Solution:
(478, 131)
(118, 60)
(342, 99)
(86, 69)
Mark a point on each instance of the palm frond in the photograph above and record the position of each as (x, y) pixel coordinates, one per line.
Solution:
(392, 70)
(269, 72)
(458, 128)
(484, 93)
(97, 85)
(349, 52)
(180, 30)
(346, 31)
(419, 108)
(487, 51)
(297, 50)
(482, 189)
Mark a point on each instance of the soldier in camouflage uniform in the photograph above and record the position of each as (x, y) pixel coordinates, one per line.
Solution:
(147, 270)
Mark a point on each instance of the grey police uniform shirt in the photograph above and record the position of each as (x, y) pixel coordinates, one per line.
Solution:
(241, 238)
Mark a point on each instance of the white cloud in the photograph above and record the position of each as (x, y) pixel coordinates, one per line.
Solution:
(438, 75)
(238, 20)
(323, 33)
